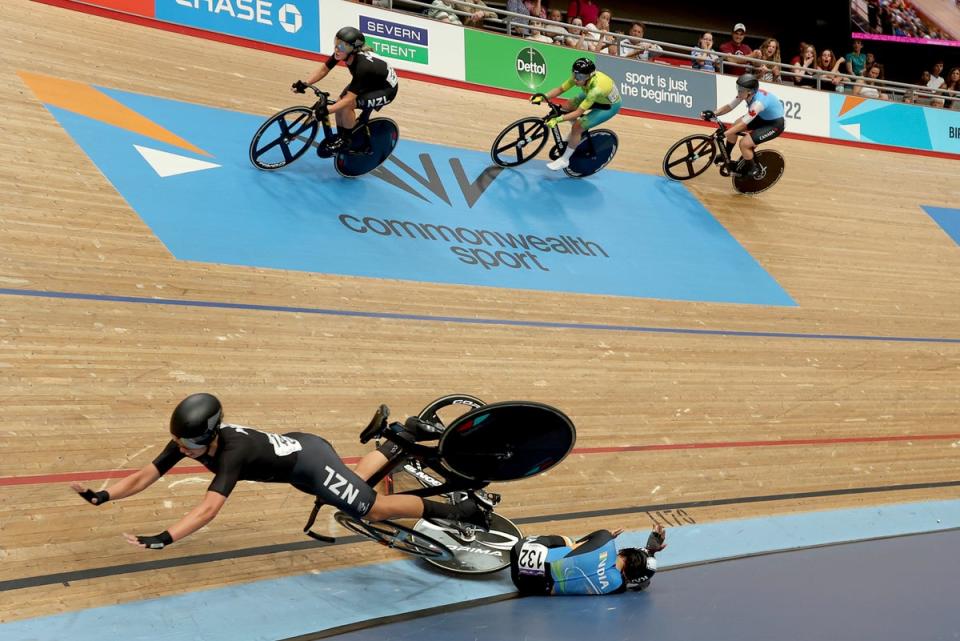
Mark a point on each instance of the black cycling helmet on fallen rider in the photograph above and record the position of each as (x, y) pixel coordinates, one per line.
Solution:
(748, 81)
(638, 568)
(352, 36)
(196, 420)
(584, 66)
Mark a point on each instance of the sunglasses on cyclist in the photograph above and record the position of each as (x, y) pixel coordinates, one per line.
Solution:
(194, 443)
(343, 47)
(581, 77)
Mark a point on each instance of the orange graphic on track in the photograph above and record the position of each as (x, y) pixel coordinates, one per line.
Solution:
(84, 100)
(850, 102)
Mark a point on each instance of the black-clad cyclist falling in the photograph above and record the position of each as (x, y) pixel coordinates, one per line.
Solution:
(238, 453)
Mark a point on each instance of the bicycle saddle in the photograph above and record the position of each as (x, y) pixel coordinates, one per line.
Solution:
(377, 424)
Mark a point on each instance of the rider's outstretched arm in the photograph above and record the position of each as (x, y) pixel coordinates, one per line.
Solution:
(127, 486)
(318, 75)
(195, 519)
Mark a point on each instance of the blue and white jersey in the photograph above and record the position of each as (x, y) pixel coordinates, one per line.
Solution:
(593, 572)
(764, 105)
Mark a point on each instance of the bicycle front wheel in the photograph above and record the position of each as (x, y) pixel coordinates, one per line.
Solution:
(396, 536)
(519, 142)
(283, 138)
(690, 157)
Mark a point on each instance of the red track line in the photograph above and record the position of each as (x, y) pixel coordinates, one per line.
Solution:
(298, 53)
(42, 479)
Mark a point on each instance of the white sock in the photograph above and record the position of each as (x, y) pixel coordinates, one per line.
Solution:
(568, 152)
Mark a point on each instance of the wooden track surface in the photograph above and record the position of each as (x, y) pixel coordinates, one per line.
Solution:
(89, 385)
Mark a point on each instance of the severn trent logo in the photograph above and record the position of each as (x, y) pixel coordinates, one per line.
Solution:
(531, 67)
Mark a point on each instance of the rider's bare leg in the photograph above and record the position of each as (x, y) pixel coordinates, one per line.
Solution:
(369, 464)
(346, 118)
(746, 147)
(575, 134)
(396, 506)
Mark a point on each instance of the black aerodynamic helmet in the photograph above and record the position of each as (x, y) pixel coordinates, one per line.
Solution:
(352, 36)
(196, 420)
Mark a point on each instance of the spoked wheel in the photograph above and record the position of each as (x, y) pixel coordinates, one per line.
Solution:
(396, 536)
(283, 138)
(690, 157)
(446, 409)
(770, 166)
(475, 551)
(519, 142)
(593, 153)
(367, 151)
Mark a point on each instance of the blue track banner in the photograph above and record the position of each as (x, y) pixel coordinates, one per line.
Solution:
(288, 23)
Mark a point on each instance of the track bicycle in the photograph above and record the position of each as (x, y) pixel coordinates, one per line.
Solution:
(496, 442)
(523, 139)
(290, 133)
(693, 155)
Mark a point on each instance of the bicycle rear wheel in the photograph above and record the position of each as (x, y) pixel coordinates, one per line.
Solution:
(507, 441)
(770, 166)
(593, 154)
(369, 147)
(519, 142)
(283, 138)
(690, 157)
(396, 536)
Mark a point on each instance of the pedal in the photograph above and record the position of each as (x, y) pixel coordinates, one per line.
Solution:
(487, 499)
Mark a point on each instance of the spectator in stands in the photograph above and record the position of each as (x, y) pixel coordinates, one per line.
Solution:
(936, 82)
(598, 41)
(477, 16)
(827, 66)
(537, 34)
(767, 67)
(805, 67)
(634, 46)
(868, 86)
(555, 31)
(952, 83)
(442, 11)
(517, 25)
(577, 38)
(735, 47)
(586, 10)
(704, 56)
(856, 61)
(536, 9)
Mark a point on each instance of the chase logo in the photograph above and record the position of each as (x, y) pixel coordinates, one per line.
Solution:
(294, 23)
(290, 18)
(395, 40)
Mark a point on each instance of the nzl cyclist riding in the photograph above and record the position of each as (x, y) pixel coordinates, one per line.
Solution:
(236, 453)
(593, 565)
(596, 102)
(763, 121)
(373, 86)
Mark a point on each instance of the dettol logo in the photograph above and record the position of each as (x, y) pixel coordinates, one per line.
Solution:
(531, 67)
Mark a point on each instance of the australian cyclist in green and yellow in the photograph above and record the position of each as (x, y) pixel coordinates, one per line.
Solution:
(596, 101)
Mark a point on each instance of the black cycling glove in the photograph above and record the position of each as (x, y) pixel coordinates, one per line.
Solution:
(157, 541)
(299, 86)
(95, 498)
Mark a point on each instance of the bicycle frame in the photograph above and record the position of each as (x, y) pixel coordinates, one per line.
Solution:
(556, 110)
